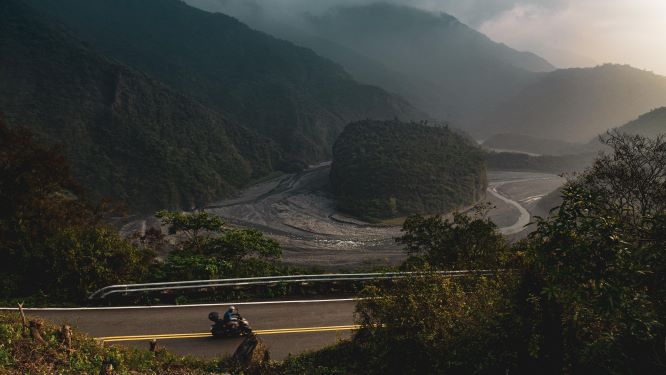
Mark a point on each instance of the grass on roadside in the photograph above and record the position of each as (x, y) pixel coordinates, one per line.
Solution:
(20, 354)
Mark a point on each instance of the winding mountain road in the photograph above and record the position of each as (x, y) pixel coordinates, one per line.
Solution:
(296, 210)
(285, 326)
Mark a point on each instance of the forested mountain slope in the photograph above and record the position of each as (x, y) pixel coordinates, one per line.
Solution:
(386, 169)
(438, 63)
(288, 93)
(127, 136)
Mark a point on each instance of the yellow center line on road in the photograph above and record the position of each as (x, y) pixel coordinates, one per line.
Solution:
(174, 336)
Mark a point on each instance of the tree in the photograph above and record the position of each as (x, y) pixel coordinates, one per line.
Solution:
(433, 324)
(630, 182)
(600, 262)
(196, 226)
(52, 240)
(466, 242)
(212, 250)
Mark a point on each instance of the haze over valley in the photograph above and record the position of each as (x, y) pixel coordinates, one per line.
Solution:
(409, 187)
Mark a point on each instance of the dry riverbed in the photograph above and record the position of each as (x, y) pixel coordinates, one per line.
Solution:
(298, 211)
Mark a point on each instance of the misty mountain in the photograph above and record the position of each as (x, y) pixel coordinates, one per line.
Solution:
(127, 136)
(284, 92)
(436, 62)
(446, 68)
(650, 124)
(576, 105)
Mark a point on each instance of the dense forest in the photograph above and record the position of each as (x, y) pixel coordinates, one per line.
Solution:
(585, 294)
(285, 92)
(57, 246)
(148, 127)
(388, 169)
(127, 136)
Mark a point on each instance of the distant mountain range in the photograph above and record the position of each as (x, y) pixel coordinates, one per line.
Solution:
(436, 62)
(575, 105)
(162, 105)
(458, 74)
(650, 124)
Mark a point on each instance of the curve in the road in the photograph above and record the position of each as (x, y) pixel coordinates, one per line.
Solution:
(320, 323)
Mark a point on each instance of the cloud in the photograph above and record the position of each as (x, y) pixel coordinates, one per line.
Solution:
(619, 31)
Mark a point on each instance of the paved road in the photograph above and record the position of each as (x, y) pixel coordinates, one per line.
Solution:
(327, 320)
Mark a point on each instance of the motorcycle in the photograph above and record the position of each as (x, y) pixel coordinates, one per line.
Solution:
(237, 328)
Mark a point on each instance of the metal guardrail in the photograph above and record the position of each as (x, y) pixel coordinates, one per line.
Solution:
(268, 280)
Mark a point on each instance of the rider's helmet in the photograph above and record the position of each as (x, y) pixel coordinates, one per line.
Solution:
(232, 308)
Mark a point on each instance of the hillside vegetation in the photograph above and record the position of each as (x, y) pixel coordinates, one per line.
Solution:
(576, 105)
(284, 92)
(20, 354)
(127, 136)
(585, 295)
(389, 169)
(650, 124)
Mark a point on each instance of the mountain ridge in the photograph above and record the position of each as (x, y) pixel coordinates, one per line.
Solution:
(282, 91)
(408, 51)
(577, 104)
(128, 136)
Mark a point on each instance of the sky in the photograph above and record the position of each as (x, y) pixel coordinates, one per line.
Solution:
(565, 32)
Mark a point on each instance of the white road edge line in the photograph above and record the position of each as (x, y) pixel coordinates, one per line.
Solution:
(177, 306)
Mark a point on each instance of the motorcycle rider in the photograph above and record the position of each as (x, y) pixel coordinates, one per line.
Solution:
(231, 317)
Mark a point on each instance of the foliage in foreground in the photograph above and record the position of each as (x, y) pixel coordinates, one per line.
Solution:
(19, 354)
(46, 224)
(211, 250)
(465, 242)
(600, 264)
(587, 294)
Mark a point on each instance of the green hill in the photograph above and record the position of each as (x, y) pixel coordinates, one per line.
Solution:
(575, 105)
(127, 136)
(650, 124)
(283, 91)
(388, 169)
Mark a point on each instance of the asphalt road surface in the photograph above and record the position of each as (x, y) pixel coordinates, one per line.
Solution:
(284, 326)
